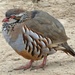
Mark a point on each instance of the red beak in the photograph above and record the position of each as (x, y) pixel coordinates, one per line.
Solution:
(5, 20)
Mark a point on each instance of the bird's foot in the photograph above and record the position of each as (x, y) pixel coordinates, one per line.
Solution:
(37, 67)
(41, 65)
(25, 67)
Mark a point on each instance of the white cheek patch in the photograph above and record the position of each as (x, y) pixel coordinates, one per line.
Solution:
(11, 21)
(20, 14)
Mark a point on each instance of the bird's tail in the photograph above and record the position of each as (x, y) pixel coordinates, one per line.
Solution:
(63, 47)
(67, 49)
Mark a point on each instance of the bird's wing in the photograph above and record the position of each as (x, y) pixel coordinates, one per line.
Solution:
(48, 26)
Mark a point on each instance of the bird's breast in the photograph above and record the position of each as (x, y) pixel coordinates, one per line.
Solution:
(17, 44)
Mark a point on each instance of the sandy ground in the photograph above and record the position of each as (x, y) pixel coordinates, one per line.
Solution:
(58, 63)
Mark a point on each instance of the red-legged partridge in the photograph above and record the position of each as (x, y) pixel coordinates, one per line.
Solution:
(34, 35)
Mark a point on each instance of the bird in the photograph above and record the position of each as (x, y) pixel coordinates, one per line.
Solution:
(34, 35)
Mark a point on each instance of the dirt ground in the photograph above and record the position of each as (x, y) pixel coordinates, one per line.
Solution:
(58, 63)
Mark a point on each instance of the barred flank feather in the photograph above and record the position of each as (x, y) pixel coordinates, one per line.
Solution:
(35, 43)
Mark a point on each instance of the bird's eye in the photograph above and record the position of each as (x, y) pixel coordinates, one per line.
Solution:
(12, 17)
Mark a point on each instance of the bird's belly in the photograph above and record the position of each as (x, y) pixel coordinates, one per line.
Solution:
(27, 55)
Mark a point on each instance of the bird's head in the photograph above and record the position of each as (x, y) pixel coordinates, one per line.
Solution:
(12, 17)
(15, 14)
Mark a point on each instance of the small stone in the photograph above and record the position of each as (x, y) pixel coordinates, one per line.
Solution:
(15, 59)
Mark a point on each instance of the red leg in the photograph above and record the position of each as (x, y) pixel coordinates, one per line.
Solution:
(41, 65)
(26, 66)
